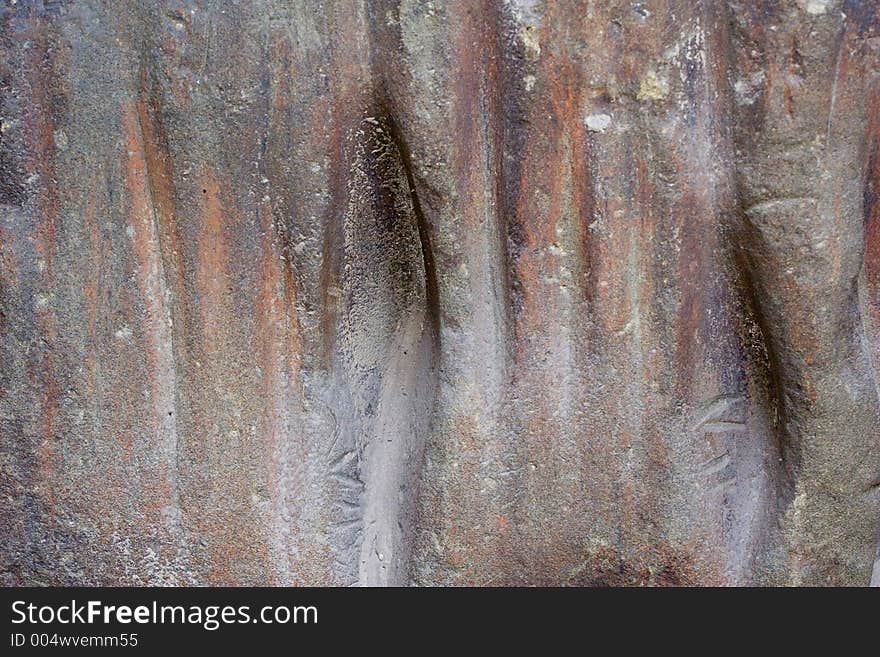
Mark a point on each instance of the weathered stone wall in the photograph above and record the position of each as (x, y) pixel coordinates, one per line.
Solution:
(465, 292)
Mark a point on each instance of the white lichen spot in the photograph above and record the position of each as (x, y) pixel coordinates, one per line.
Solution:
(529, 37)
(123, 333)
(529, 82)
(60, 138)
(815, 7)
(598, 122)
(527, 14)
(747, 90)
(652, 87)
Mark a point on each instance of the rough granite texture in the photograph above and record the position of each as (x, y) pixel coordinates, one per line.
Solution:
(497, 292)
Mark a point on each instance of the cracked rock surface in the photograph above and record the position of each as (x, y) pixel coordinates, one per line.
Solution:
(390, 292)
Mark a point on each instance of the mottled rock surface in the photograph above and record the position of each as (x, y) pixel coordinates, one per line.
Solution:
(396, 291)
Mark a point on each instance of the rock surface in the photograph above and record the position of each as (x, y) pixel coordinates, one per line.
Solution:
(406, 292)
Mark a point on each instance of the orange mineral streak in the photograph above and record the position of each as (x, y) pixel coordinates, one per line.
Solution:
(161, 189)
(279, 348)
(40, 163)
(211, 276)
(150, 276)
(547, 168)
(872, 218)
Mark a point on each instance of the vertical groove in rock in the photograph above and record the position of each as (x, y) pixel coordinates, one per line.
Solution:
(799, 128)
(386, 354)
(143, 228)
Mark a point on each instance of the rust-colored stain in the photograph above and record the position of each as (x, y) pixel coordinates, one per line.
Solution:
(212, 282)
(161, 444)
(872, 207)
